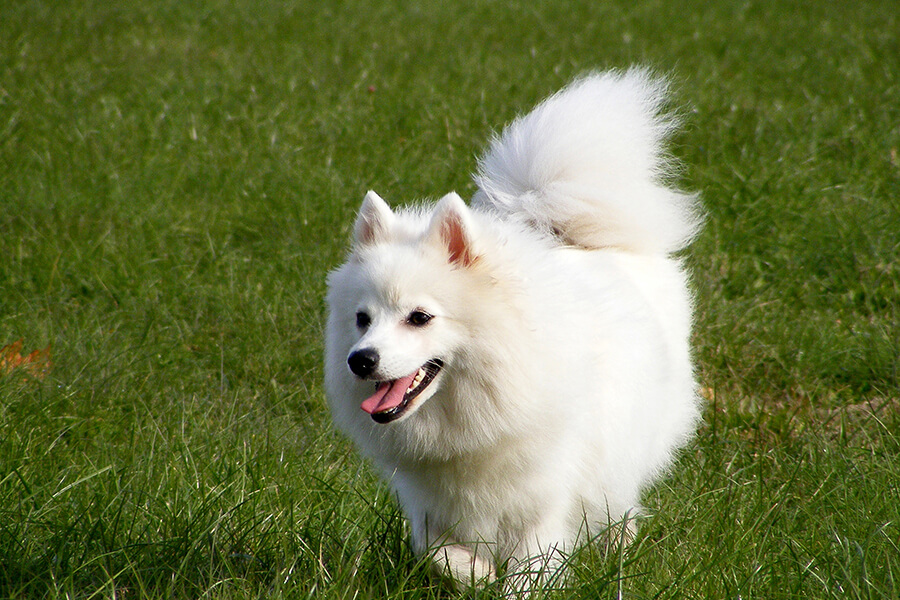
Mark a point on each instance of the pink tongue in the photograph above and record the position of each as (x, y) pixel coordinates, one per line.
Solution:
(388, 395)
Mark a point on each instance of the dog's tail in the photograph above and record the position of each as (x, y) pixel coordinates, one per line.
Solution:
(589, 166)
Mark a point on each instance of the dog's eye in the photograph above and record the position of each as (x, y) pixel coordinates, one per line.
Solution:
(418, 318)
(362, 320)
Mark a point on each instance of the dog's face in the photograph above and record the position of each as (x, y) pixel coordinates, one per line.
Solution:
(393, 309)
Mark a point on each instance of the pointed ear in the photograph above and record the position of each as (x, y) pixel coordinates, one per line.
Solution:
(373, 223)
(451, 229)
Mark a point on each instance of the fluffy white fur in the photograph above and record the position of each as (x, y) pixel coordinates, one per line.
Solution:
(561, 321)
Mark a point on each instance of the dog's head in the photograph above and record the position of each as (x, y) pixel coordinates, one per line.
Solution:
(395, 307)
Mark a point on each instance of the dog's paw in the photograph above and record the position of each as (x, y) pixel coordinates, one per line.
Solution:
(463, 566)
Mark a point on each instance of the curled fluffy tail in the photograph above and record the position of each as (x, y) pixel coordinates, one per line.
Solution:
(588, 165)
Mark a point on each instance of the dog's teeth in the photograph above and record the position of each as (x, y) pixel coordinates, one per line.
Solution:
(420, 375)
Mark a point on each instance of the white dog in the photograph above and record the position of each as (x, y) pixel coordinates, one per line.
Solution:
(519, 371)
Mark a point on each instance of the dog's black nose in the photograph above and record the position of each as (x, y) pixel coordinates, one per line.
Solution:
(363, 362)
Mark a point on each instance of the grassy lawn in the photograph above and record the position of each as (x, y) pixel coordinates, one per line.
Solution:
(176, 179)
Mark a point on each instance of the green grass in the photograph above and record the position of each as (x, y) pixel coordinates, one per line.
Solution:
(177, 178)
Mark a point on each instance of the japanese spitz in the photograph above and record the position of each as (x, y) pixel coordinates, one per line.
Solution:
(519, 370)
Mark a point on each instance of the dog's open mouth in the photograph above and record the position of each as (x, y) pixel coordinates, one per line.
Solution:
(392, 398)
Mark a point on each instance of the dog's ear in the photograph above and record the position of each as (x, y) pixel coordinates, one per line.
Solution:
(373, 223)
(451, 229)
